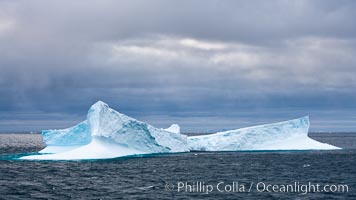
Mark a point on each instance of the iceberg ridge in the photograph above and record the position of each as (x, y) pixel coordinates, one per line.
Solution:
(287, 135)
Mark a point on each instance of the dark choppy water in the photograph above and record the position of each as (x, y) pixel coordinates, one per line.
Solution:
(158, 177)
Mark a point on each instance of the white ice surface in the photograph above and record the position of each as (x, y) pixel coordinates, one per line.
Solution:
(57, 149)
(98, 148)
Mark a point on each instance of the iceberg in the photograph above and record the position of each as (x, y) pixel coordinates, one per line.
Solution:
(287, 135)
(107, 133)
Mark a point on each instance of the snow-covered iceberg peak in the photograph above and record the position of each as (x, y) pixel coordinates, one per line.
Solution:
(287, 135)
(107, 123)
(174, 128)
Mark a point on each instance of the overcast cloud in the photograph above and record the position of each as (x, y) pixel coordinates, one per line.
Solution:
(207, 65)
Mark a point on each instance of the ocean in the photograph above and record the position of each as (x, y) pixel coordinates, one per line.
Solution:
(200, 175)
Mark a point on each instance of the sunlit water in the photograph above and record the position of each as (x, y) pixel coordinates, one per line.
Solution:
(159, 176)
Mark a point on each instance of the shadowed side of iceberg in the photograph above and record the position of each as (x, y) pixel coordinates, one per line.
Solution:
(76, 135)
(62, 140)
(287, 135)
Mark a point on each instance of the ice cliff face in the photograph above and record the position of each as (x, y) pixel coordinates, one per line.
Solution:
(287, 135)
(107, 133)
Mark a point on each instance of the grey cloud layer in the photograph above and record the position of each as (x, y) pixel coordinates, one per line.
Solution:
(153, 58)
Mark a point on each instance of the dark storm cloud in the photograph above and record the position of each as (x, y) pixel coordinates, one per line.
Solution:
(188, 61)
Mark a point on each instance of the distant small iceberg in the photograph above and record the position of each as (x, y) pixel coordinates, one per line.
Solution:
(107, 133)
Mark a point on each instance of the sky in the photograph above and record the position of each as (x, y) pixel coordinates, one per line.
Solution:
(207, 65)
